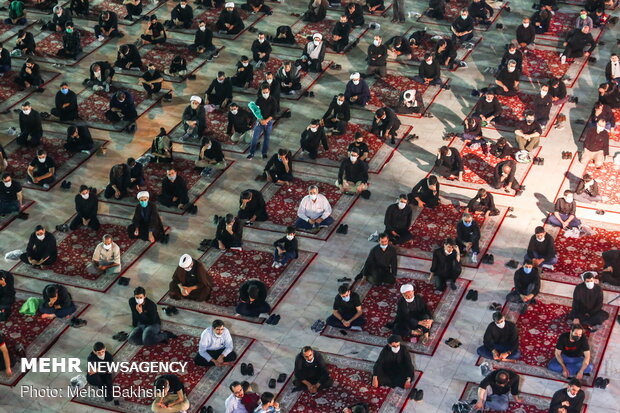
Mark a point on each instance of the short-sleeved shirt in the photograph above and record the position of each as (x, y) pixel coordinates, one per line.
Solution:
(10, 193)
(41, 168)
(572, 348)
(347, 307)
(174, 382)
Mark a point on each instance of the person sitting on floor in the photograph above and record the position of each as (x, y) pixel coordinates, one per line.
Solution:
(65, 104)
(501, 340)
(611, 272)
(429, 72)
(397, 221)
(229, 233)
(107, 26)
(445, 52)
(602, 111)
(494, 389)
(128, 57)
(245, 73)
(59, 20)
(25, 43)
(79, 139)
(7, 295)
(398, 48)
(230, 21)
(155, 33)
(394, 367)
(502, 149)
(151, 80)
(285, 248)
(312, 138)
(317, 10)
(504, 176)
(512, 53)
(472, 133)
(252, 299)
(587, 307)
(86, 208)
(557, 88)
(71, 42)
(181, 16)
(11, 196)
(507, 80)
(377, 58)
(146, 223)
(311, 371)
(289, 78)
(612, 69)
(171, 395)
(240, 122)
(357, 91)
(241, 399)
(347, 310)
(541, 249)
(446, 265)
(578, 43)
(569, 400)
(409, 102)
(215, 347)
(528, 132)
(525, 33)
(381, 264)
(30, 76)
(313, 55)
(462, 28)
(481, 12)
(194, 119)
(57, 302)
(587, 190)
(541, 19)
(340, 35)
(488, 108)
(468, 236)
(482, 204)
(337, 116)
(414, 318)
(609, 94)
(161, 148)
(284, 35)
(99, 375)
(526, 286)
(210, 156)
(279, 168)
(190, 281)
(425, 193)
(261, 47)
(136, 174)
(203, 41)
(541, 106)
(106, 257)
(353, 173)
(360, 146)
(17, 13)
(436, 9)
(596, 144)
(120, 181)
(219, 92)
(174, 191)
(30, 126)
(252, 207)
(354, 13)
(385, 123)
(314, 211)
(123, 107)
(572, 354)
(563, 215)
(42, 170)
(449, 163)
(145, 321)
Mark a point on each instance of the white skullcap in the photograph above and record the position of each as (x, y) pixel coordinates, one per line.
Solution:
(406, 288)
(143, 194)
(355, 75)
(409, 94)
(185, 261)
(195, 98)
(229, 4)
(319, 35)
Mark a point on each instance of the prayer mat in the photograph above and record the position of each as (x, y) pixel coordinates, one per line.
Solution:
(352, 384)
(531, 403)
(308, 79)
(614, 136)
(580, 4)
(429, 41)
(562, 23)
(343, 4)
(283, 202)
(211, 16)
(431, 226)
(386, 91)
(479, 167)
(379, 303)
(11, 93)
(155, 172)
(92, 105)
(543, 62)
(34, 333)
(514, 108)
(380, 151)
(200, 382)
(75, 251)
(49, 43)
(53, 142)
(578, 255)
(230, 269)
(117, 6)
(8, 31)
(453, 11)
(5, 220)
(34, 6)
(539, 329)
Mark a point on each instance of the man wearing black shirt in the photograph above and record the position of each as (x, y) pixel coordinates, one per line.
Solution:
(526, 286)
(337, 115)
(181, 16)
(481, 12)
(468, 236)
(312, 137)
(462, 28)
(261, 50)
(155, 32)
(285, 249)
(42, 170)
(541, 105)
(507, 80)
(385, 123)
(528, 133)
(446, 265)
(279, 168)
(359, 145)
(29, 126)
(425, 193)
(429, 72)
(128, 57)
(65, 105)
(274, 88)
(449, 163)
(347, 310)
(512, 53)
(572, 354)
(311, 371)
(7, 295)
(340, 35)
(78, 139)
(541, 249)
(482, 203)
(262, 127)
(57, 302)
(11, 196)
(504, 176)
(71, 43)
(488, 108)
(596, 144)
(145, 320)
(203, 39)
(414, 318)
(397, 221)
(240, 121)
(493, 390)
(526, 33)
(353, 173)
(252, 299)
(174, 191)
(611, 271)
(252, 207)
(210, 156)
(30, 76)
(230, 21)
(394, 367)
(569, 400)
(557, 89)
(101, 379)
(256, 6)
(86, 207)
(377, 58)
(587, 307)
(576, 43)
(171, 395)
(609, 94)
(244, 75)
(107, 26)
(501, 340)
(219, 92)
(381, 265)
(151, 80)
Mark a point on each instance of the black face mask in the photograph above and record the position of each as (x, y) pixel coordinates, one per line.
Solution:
(574, 338)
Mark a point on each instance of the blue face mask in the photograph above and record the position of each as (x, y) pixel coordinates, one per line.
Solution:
(467, 224)
(143, 204)
(383, 246)
(64, 91)
(527, 270)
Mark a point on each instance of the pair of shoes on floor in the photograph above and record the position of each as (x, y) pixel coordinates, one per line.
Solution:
(488, 259)
(567, 155)
(124, 281)
(171, 310)
(344, 280)
(281, 379)
(342, 229)
(453, 342)
(22, 215)
(247, 369)
(65, 184)
(309, 94)
(412, 137)
(192, 209)
(416, 394)
(216, 219)
(273, 319)
(206, 409)
(601, 383)
(164, 239)
(120, 336)
(318, 326)
(495, 307)
(78, 322)
(573, 99)
(62, 228)
(336, 66)
(538, 161)
(598, 212)
(472, 295)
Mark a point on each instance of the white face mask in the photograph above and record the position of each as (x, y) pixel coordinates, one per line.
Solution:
(346, 299)
(317, 42)
(543, 93)
(139, 300)
(172, 177)
(42, 160)
(447, 252)
(463, 16)
(203, 28)
(571, 395)
(401, 205)
(310, 361)
(7, 184)
(220, 80)
(590, 285)
(599, 129)
(269, 81)
(26, 111)
(100, 357)
(512, 51)
(540, 239)
(290, 237)
(107, 247)
(314, 129)
(409, 300)
(568, 198)
(234, 111)
(511, 69)
(85, 196)
(501, 325)
(244, 64)
(313, 197)
(261, 40)
(353, 158)
(339, 102)
(395, 349)
(429, 62)
(265, 95)
(376, 43)
(208, 146)
(489, 100)
(356, 82)
(526, 25)
(41, 237)
(183, 6)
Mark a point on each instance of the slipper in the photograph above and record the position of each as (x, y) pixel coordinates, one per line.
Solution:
(276, 319)
(118, 336)
(270, 319)
(474, 296)
(282, 378)
(344, 279)
(250, 369)
(419, 395)
(413, 393)
(598, 382)
(272, 383)
(469, 295)
(244, 369)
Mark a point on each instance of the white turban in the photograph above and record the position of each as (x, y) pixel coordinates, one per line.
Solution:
(143, 194)
(186, 261)
(406, 288)
(409, 94)
(195, 98)
(229, 4)
(319, 35)
(355, 76)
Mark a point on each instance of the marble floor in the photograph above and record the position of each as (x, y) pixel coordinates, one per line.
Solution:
(447, 372)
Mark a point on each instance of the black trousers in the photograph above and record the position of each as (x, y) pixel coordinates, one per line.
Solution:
(378, 275)
(590, 319)
(154, 88)
(326, 382)
(77, 222)
(101, 380)
(35, 138)
(339, 125)
(201, 361)
(475, 244)
(275, 176)
(403, 236)
(166, 199)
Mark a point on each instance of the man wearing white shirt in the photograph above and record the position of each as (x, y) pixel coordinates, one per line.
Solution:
(612, 71)
(106, 258)
(215, 347)
(234, 402)
(314, 211)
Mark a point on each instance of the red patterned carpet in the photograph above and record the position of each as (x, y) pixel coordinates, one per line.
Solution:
(562, 23)
(162, 55)
(578, 255)
(452, 11)
(379, 303)
(352, 378)
(35, 334)
(539, 329)
(544, 64)
(210, 16)
(230, 269)
(532, 403)
(117, 6)
(302, 30)
(607, 177)
(75, 250)
(199, 382)
(49, 43)
(66, 162)
(386, 92)
(614, 137)
(11, 94)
